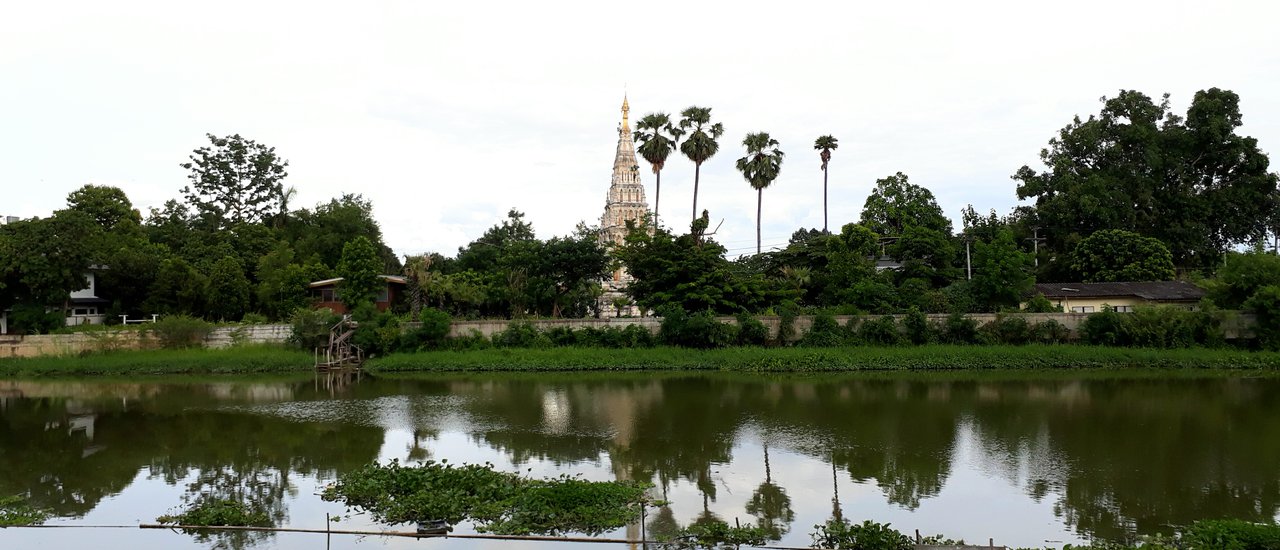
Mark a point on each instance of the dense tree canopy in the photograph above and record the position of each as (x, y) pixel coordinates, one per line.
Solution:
(235, 180)
(896, 204)
(1192, 182)
(1117, 255)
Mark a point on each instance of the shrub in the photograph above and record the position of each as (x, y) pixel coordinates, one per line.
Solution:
(1104, 328)
(701, 330)
(1265, 304)
(431, 332)
(472, 341)
(565, 336)
(960, 329)
(825, 332)
(868, 535)
(1040, 304)
(917, 327)
(751, 332)
(787, 313)
(180, 331)
(521, 334)
(253, 319)
(882, 331)
(311, 327)
(29, 319)
(1049, 332)
(1231, 535)
(1007, 329)
(211, 511)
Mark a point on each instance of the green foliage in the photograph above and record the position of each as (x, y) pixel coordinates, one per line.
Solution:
(1265, 305)
(433, 328)
(360, 269)
(1241, 276)
(311, 327)
(1191, 182)
(795, 359)
(228, 290)
(760, 168)
(917, 327)
(1115, 255)
(107, 205)
(44, 260)
(787, 314)
(1001, 273)
(896, 204)
(691, 272)
(208, 511)
(14, 511)
(1229, 534)
(1007, 329)
(1154, 327)
(233, 360)
(716, 533)
(751, 332)
(701, 330)
(178, 289)
(879, 332)
(235, 180)
(868, 535)
(959, 329)
(1049, 332)
(521, 334)
(497, 502)
(181, 331)
(1040, 304)
(825, 332)
(33, 319)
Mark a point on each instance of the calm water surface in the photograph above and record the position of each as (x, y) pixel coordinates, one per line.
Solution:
(1026, 459)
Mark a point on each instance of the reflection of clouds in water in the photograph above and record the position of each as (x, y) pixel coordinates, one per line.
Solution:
(556, 413)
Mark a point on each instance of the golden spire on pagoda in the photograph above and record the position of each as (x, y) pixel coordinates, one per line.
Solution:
(626, 111)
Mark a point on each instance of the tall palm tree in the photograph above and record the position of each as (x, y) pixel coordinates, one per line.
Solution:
(760, 167)
(701, 144)
(826, 144)
(652, 132)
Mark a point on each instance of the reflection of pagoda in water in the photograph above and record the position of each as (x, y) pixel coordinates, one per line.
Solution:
(625, 203)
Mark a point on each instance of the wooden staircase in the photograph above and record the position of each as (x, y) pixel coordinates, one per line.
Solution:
(341, 353)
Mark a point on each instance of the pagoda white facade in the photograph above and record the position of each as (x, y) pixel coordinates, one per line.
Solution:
(625, 203)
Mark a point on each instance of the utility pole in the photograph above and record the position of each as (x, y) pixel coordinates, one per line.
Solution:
(1035, 244)
(968, 263)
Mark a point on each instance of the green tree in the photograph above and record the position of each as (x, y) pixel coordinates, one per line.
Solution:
(825, 145)
(760, 168)
(109, 206)
(1116, 255)
(1001, 273)
(235, 180)
(322, 232)
(701, 144)
(178, 289)
(1241, 275)
(652, 132)
(360, 269)
(573, 266)
(47, 259)
(1191, 182)
(896, 204)
(690, 272)
(228, 290)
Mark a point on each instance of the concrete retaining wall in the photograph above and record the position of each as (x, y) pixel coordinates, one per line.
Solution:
(17, 345)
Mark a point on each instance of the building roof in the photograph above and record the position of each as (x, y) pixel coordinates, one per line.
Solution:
(397, 279)
(1165, 291)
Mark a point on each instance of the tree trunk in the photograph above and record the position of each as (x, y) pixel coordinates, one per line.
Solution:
(657, 194)
(759, 201)
(824, 200)
(697, 172)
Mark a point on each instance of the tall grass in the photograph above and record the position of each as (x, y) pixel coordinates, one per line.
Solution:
(235, 360)
(754, 359)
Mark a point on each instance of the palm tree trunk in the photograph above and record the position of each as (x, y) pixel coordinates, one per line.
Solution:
(657, 194)
(824, 200)
(759, 201)
(697, 172)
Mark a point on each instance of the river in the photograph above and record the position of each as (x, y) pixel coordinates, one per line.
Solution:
(1024, 458)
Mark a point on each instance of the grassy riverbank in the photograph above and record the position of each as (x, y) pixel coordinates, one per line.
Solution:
(932, 357)
(237, 360)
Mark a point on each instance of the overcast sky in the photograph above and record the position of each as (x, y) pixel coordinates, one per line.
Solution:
(447, 114)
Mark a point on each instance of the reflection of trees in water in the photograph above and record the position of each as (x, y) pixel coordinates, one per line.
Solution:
(1140, 456)
(244, 456)
(770, 504)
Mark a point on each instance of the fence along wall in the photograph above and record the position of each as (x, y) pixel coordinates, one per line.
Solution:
(17, 345)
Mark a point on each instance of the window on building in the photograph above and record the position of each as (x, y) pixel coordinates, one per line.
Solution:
(1122, 309)
(1081, 309)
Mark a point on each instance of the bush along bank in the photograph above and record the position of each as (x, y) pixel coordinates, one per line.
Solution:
(235, 360)
(832, 359)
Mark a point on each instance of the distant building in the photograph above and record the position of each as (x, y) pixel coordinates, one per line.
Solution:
(326, 293)
(1092, 297)
(86, 308)
(625, 203)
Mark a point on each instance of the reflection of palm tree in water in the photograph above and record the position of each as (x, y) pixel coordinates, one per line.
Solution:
(836, 513)
(770, 504)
